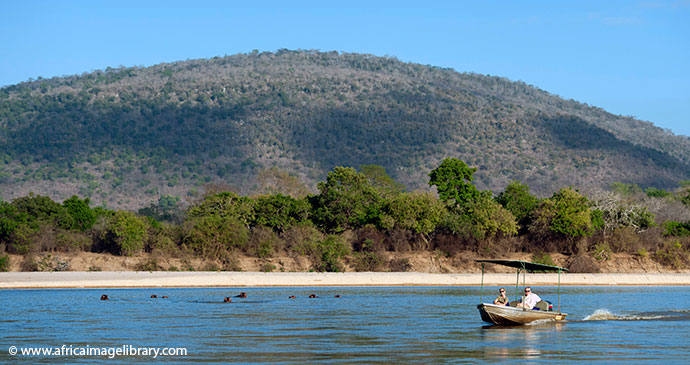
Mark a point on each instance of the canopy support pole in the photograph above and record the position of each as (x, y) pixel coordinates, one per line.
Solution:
(517, 285)
(559, 290)
(482, 286)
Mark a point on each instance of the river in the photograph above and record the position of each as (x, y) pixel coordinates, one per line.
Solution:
(365, 324)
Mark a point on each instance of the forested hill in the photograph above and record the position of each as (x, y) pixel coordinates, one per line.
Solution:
(124, 136)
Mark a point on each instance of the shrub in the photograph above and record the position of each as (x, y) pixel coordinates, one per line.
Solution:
(263, 242)
(21, 240)
(295, 237)
(70, 241)
(542, 258)
(267, 267)
(367, 261)
(29, 263)
(400, 265)
(4, 263)
(656, 193)
(369, 238)
(677, 229)
(325, 254)
(624, 239)
(601, 251)
(148, 265)
(672, 254)
(583, 264)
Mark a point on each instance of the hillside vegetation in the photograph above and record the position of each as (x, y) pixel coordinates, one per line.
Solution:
(123, 137)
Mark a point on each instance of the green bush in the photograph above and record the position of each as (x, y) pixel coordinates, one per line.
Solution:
(4, 263)
(677, 229)
(213, 236)
(125, 233)
(543, 258)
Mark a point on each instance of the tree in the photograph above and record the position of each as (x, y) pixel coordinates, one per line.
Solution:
(417, 211)
(346, 200)
(517, 199)
(125, 233)
(10, 219)
(615, 212)
(213, 236)
(379, 179)
(566, 215)
(277, 181)
(226, 205)
(453, 181)
(280, 211)
(83, 217)
(481, 218)
(168, 208)
(43, 209)
(472, 212)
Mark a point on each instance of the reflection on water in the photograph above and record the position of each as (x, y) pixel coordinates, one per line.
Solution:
(399, 324)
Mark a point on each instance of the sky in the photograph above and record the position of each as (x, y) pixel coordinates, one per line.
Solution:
(628, 57)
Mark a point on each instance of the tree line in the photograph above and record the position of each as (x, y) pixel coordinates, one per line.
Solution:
(357, 215)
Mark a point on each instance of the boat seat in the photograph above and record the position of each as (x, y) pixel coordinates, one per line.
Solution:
(542, 305)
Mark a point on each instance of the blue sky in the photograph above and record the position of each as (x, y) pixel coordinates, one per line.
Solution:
(628, 57)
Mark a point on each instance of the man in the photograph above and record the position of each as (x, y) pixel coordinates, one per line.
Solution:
(530, 300)
(502, 299)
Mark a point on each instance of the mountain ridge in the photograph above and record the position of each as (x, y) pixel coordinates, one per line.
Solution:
(124, 136)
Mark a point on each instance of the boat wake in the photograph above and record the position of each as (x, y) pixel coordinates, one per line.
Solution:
(606, 315)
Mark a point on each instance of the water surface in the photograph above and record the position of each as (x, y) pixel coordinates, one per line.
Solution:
(373, 325)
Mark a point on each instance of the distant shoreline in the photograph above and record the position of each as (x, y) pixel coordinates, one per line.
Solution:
(130, 279)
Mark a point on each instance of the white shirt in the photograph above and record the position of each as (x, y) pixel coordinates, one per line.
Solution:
(531, 300)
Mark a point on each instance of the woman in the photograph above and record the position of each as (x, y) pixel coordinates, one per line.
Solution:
(502, 299)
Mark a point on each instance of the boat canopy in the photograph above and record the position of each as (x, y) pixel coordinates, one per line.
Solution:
(525, 265)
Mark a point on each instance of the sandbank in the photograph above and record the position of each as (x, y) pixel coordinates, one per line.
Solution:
(132, 279)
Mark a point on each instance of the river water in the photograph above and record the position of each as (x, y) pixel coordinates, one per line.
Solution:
(366, 324)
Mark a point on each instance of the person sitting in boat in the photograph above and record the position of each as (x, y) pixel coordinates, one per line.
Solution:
(502, 299)
(530, 300)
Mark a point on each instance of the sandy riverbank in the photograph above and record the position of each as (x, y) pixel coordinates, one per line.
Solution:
(129, 279)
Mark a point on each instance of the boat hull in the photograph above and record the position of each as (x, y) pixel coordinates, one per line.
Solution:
(504, 315)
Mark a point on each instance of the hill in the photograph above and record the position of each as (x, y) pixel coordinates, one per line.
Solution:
(124, 136)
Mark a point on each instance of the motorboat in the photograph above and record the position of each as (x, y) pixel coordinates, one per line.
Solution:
(512, 314)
